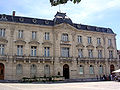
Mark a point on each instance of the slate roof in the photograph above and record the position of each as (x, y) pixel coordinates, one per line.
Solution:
(59, 18)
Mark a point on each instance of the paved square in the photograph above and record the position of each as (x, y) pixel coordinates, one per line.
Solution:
(110, 85)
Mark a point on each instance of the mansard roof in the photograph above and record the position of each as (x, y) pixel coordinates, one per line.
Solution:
(59, 18)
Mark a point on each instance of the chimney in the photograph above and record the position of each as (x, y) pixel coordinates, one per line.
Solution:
(13, 13)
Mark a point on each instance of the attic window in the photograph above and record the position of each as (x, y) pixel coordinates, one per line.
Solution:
(34, 20)
(21, 19)
(88, 27)
(79, 26)
(46, 22)
(3, 17)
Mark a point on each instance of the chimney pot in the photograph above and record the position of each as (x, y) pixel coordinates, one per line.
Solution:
(13, 13)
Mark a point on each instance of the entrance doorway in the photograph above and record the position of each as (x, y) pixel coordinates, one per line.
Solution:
(66, 71)
(112, 68)
(1, 71)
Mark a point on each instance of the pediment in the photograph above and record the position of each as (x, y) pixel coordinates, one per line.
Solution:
(99, 47)
(3, 40)
(64, 26)
(80, 45)
(34, 42)
(90, 46)
(20, 42)
(47, 43)
(110, 47)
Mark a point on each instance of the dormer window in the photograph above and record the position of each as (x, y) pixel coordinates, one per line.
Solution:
(64, 37)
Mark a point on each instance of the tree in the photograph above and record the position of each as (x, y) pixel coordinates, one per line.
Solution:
(57, 2)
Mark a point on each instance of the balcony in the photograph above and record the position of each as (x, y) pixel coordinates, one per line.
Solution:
(3, 57)
(65, 43)
(65, 59)
(112, 59)
(87, 59)
(33, 58)
(3, 39)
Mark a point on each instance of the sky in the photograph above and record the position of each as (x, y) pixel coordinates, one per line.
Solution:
(101, 13)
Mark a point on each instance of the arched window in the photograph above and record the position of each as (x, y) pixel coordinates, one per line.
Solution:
(91, 69)
(64, 37)
(33, 70)
(47, 70)
(81, 70)
(19, 69)
(101, 69)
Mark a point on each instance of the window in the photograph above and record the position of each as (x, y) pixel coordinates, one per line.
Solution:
(119, 56)
(20, 34)
(64, 37)
(89, 40)
(81, 70)
(2, 49)
(33, 50)
(109, 42)
(34, 35)
(33, 70)
(101, 69)
(98, 41)
(19, 69)
(99, 53)
(80, 53)
(47, 70)
(47, 36)
(90, 53)
(65, 52)
(19, 50)
(79, 39)
(91, 69)
(110, 54)
(2, 32)
(46, 51)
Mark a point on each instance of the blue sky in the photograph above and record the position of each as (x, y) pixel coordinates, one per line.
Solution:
(102, 13)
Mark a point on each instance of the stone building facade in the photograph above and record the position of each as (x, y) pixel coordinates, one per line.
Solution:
(37, 47)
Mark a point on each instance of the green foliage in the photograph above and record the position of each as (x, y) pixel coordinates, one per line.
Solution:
(57, 2)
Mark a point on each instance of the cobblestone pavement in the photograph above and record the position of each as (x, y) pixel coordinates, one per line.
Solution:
(110, 85)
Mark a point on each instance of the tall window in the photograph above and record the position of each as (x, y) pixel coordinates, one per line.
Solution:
(19, 50)
(19, 69)
(20, 34)
(33, 50)
(2, 49)
(80, 53)
(46, 51)
(99, 53)
(89, 40)
(2, 32)
(109, 42)
(33, 70)
(47, 37)
(79, 39)
(91, 69)
(34, 35)
(64, 37)
(101, 69)
(90, 53)
(98, 41)
(81, 70)
(110, 54)
(65, 52)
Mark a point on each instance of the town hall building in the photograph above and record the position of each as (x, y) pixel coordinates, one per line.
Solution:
(32, 47)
